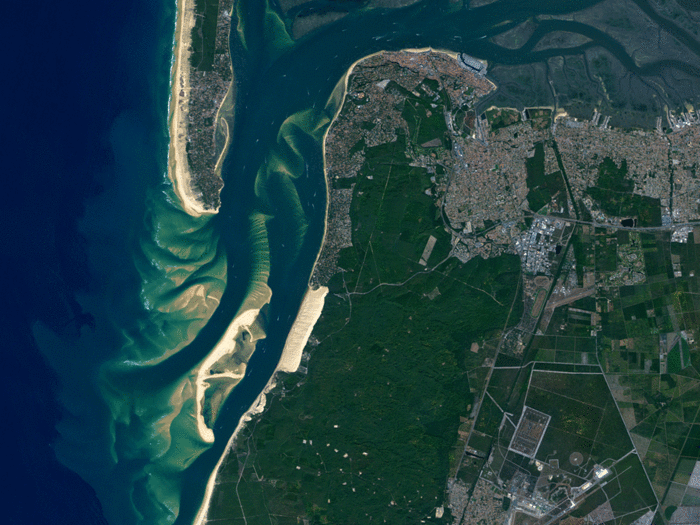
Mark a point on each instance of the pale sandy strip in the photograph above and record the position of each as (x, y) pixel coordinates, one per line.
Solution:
(178, 166)
(309, 312)
(226, 347)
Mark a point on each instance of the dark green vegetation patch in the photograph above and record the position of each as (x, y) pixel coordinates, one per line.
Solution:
(630, 491)
(386, 386)
(204, 34)
(393, 220)
(584, 419)
(613, 193)
(370, 436)
(544, 189)
(424, 114)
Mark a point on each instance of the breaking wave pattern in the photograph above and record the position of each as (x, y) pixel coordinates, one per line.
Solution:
(131, 428)
(140, 388)
(153, 428)
(140, 404)
(153, 416)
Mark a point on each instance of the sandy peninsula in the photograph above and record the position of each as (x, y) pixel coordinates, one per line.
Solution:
(309, 313)
(179, 171)
(229, 358)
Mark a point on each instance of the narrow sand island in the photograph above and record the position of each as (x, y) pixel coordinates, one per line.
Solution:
(226, 364)
(178, 166)
(309, 312)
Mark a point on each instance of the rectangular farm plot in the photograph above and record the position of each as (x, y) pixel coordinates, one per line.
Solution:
(530, 431)
(585, 426)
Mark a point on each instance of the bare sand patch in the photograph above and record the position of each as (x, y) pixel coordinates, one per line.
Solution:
(229, 358)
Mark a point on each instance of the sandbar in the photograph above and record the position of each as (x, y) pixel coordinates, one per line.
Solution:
(221, 357)
(309, 312)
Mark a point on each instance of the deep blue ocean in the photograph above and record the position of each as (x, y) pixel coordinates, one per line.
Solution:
(86, 86)
(92, 237)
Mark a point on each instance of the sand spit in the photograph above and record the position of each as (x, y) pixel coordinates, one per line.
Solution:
(178, 166)
(309, 312)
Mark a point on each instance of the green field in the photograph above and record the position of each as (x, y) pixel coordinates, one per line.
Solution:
(502, 118)
(204, 34)
(613, 193)
(393, 221)
(391, 373)
(584, 418)
(661, 404)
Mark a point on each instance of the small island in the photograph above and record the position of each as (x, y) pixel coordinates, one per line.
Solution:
(201, 105)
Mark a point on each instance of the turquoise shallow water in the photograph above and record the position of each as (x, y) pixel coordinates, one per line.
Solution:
(100, 259)
(132, 432)
(167, 285)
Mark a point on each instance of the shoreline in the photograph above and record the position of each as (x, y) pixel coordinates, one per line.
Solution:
(178, 167)
(227, 347)
(312, 304)
(224, 113)
(309, 312)
(179, 172)
(344, 82)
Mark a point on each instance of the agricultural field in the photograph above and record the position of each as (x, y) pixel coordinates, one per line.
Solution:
(637, 336)
(584, 435)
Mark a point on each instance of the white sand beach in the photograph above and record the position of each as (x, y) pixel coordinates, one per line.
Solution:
(178, 167)
(222, 357)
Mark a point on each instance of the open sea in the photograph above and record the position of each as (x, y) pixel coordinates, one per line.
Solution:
(98, 344)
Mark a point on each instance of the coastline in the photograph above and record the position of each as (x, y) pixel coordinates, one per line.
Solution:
(343, 82)
(179, 171)
(309, 312)
(311, 306)
(231, 346)
(224, 119)
(178, 166)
